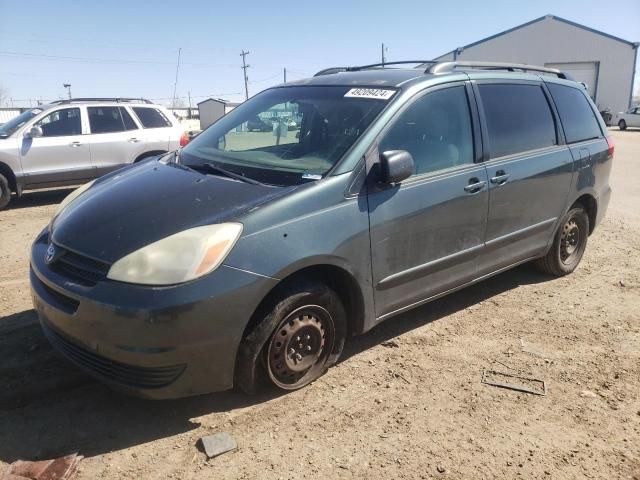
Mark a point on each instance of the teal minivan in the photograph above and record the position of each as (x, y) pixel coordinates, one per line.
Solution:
(250, 256)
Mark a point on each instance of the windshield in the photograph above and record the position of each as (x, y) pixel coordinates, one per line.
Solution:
(286, 136)
(6, 129)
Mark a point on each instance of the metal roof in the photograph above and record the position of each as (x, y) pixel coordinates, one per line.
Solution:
(539, 19)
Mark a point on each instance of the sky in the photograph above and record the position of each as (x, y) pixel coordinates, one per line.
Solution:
(128, 48)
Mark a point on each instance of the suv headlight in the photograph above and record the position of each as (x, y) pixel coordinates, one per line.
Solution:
(72, 196)
(178, 258)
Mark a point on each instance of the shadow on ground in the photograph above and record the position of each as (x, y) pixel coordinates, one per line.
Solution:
(36, 199)
(49, 408)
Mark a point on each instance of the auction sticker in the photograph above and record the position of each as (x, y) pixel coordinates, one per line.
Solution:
(375, 93)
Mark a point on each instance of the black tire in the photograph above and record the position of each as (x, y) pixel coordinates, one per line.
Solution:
(569, 244)
(296, 342)
(622, 125)
(5, 192)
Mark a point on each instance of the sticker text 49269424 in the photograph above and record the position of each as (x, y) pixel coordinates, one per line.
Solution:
(375, 93)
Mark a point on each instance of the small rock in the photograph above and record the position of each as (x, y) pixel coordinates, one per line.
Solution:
(441, 469)
(588, 393)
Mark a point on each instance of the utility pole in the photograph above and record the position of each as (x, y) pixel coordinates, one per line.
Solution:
(285, 75)
(189, 94)
(175, 84)
(382, 54)
(68, 87)
(246, 79)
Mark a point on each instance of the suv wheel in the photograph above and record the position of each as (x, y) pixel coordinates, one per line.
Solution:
(296, 342)
(568, 246)
(5, 192)
(622, 125)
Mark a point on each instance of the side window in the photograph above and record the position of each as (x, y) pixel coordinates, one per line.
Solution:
(435, 129)
(105, 119)
(518, 118)
(129, 124)
(61, 123)
(578, 120)
(151, 117)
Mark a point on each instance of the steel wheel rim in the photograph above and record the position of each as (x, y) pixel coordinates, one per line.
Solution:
(570, 241)
(300, 346)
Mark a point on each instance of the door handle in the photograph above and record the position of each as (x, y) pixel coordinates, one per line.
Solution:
(75, 144)
(133, 140)
(474, 186)
(500, 177)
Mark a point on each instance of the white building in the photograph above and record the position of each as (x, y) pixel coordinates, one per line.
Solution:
(606, 64)
(7, 113)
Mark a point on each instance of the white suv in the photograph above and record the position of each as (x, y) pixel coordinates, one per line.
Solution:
(69, 142)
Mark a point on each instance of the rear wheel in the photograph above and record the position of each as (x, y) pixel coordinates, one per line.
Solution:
(296, 342)
(5, 192)
(569, 244)
(622, 125)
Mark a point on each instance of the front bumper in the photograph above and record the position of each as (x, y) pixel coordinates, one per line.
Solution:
(154, 342)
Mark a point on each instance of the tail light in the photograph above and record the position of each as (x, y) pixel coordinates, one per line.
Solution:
(612, 146)
(184, 139)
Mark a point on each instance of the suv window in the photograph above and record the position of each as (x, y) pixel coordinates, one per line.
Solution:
(518, 118)
(105, 119)
(151, 117)
(435, 129)
(129, 124)
(61, 123)
(578, 120)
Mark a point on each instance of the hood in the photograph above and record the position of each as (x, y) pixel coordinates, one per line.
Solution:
(139, 205)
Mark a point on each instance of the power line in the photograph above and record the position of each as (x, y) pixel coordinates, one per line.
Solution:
(246, 79)
(107, 60)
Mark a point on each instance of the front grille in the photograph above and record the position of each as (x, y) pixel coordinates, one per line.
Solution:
(129, 375)
(79, 268)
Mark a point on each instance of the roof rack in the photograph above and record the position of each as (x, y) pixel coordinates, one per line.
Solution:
(444, 67)
(99, 99)
(329, 71)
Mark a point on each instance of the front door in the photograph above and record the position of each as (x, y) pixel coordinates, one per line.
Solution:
(427, 232)
(633, 118)
(61, 156)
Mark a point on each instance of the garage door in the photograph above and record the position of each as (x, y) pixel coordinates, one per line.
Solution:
(586, 72)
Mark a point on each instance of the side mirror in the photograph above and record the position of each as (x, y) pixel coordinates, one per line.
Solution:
(33, 132)
(396, 166)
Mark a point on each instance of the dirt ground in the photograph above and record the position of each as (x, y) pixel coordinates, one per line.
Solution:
(406, 401)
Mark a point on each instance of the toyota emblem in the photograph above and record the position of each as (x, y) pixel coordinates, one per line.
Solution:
(51, 254)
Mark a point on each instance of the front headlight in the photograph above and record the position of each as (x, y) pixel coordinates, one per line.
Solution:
(178, 258)
(72, 196)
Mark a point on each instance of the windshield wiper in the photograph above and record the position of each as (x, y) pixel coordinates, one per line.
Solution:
(217, 169)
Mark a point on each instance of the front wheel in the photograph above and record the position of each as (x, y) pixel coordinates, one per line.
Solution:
(622, 125)
(5, 192)
(296, 342)
(569, 244)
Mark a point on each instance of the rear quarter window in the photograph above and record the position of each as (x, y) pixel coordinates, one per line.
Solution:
(518, 118)
(151, 117)
(578, 119)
